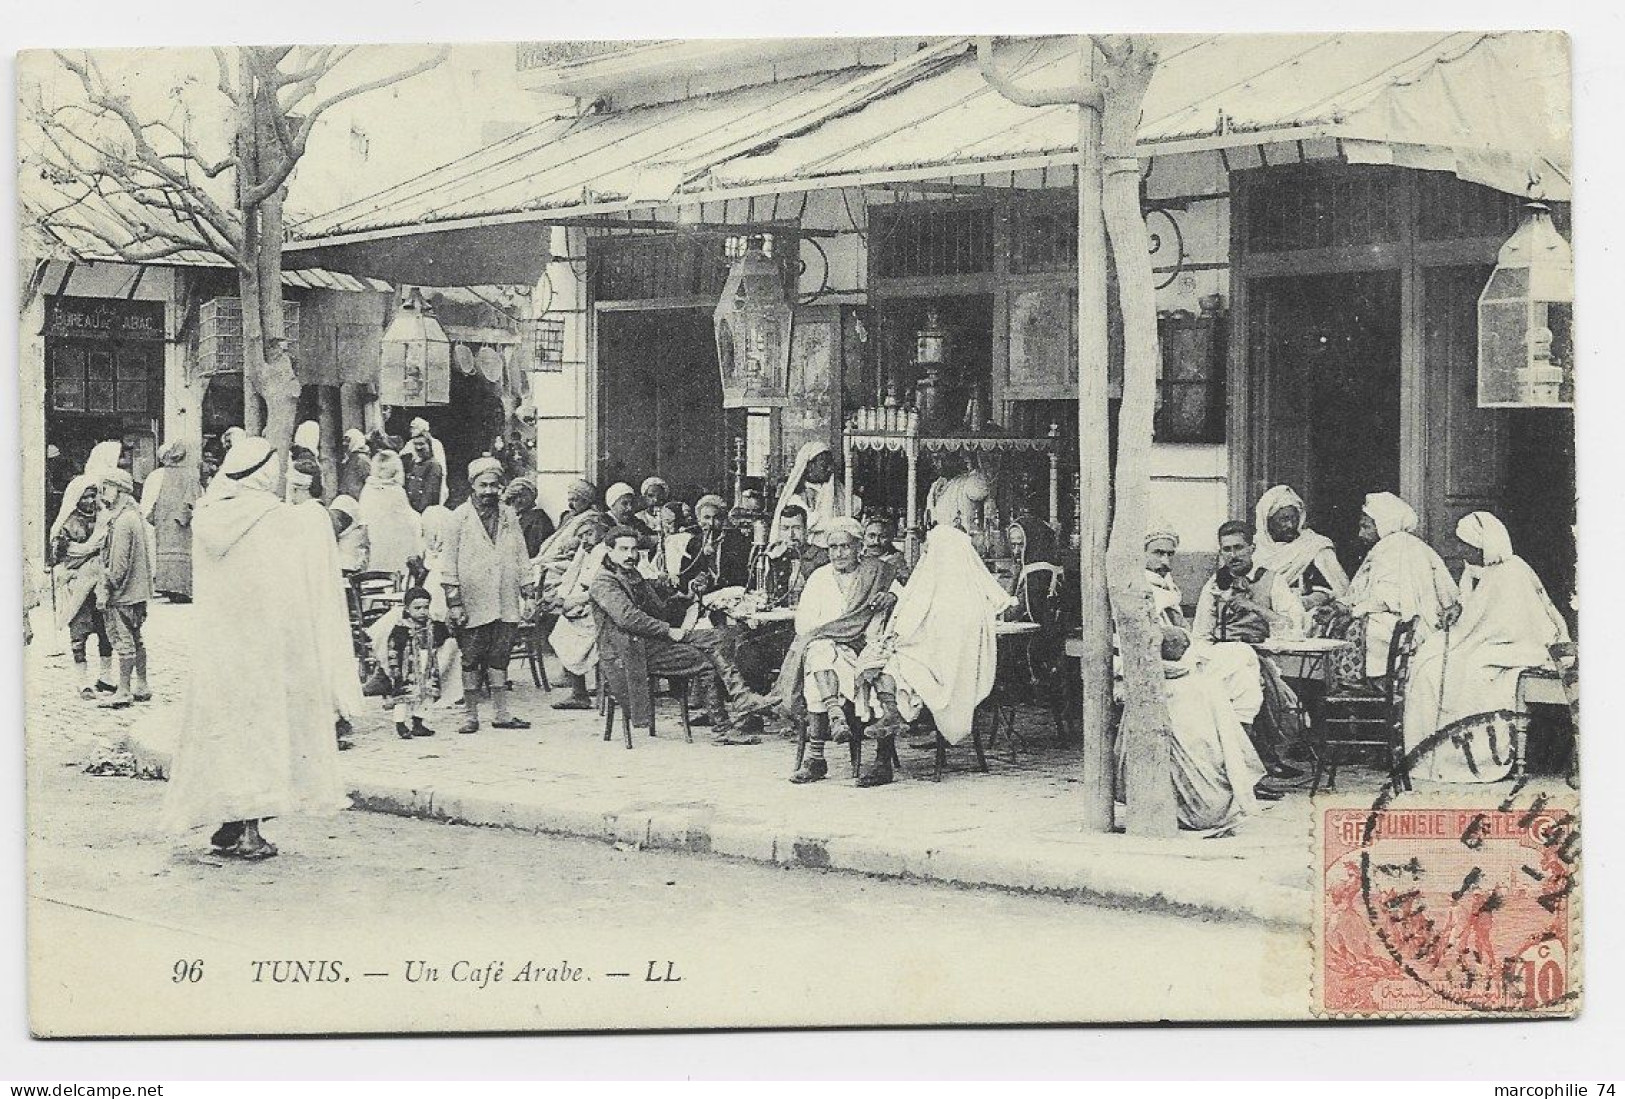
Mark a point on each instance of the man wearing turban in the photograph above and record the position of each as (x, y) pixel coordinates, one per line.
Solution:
(1504, 625)
(1400, 578)
(489, 591)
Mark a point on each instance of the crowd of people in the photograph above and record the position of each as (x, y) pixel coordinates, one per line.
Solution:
(807, 616)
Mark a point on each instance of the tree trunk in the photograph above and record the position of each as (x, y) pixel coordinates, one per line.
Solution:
(1094, 473)
(248, 271)
(1146, 728)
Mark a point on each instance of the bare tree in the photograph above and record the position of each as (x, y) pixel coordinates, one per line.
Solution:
(158, 191)
(1114, 72)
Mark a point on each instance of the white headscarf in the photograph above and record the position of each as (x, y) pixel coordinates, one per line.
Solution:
(1484, 531)
(616, 491)
(70, 500)
(1288, 560)
(309, 436)
(103, 456)
(250, 466)
(832, 502)
(1391, 514)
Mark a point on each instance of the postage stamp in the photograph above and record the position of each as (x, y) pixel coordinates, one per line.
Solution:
(1447, 910)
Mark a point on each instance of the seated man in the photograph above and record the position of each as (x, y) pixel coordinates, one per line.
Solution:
(1243, 601)
(792, 559)
(877, 543)
(567, 597)
(1216, 773)
(635, 642)
(1305, 559)
(1161, 544)
(1240, 606)
(940, 651)
(842, 608)
(718, 556)
(1400, 578)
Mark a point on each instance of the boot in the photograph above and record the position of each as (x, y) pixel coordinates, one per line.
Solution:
(139, 690)
(741, 699)
(700, 710)
(402, 731)
(106, 682)
(814, 767)
(419, 729)
(471, 710)
(579, 698)
(87, 683)
(839, 731)
(879, 773)
(727, 734)
(504, 719)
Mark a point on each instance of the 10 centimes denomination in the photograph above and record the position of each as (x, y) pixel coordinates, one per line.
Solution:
(1449, 903)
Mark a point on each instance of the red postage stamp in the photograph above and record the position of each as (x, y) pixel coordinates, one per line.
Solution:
(1446, 911)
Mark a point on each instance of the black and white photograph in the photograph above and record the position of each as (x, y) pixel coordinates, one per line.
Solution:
(696, 533)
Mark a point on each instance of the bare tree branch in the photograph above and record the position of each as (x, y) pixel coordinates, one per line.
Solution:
(223, 67)
(1082, 95)
(99, 93)
(274, 179)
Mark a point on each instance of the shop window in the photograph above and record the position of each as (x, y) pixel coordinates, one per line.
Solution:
(931, 239)
(101, 378)
(1190, 389)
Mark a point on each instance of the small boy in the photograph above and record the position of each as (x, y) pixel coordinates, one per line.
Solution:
(126, 587)
(414, 669)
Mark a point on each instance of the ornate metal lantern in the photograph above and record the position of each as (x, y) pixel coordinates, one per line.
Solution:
(415, 357)
(1525, 319)
(753, 321)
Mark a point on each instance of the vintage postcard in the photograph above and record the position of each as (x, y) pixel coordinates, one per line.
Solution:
(686, 534)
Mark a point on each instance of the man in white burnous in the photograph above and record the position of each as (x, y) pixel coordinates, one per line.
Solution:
(256, 731)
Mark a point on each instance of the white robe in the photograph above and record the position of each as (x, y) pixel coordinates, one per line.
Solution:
(394, 530)
(822, 602)
(1214, 764)
(256, 724)
(575, 634)
(1400, 578)
(1507, 623)
(335, 650)
(941, 648)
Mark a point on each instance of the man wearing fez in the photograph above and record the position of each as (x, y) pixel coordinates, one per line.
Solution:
(489, 591)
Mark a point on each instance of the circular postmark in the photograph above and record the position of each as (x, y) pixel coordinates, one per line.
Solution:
(1471, 904)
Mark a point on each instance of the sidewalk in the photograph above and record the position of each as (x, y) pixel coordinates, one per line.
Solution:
(1014, 828)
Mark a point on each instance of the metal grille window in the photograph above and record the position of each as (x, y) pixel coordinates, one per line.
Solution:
(1451, 209)
(929, 239)
(1290, 212)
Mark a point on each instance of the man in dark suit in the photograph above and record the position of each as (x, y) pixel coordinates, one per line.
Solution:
(636, 642)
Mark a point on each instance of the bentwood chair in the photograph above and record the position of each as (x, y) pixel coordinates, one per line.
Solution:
(1370, 716)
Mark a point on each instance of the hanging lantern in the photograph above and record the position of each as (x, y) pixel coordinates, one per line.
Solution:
(1525, 319)
(931, 342)
(753, 321)
(415, 357)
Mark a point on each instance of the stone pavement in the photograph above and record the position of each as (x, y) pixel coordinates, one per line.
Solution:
(1013, 828)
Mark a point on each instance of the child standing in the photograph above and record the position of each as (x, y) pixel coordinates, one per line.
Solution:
(414, 669)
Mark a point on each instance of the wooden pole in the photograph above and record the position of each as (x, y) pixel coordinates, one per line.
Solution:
(1094, 471)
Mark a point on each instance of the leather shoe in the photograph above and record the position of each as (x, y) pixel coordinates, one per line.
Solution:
(811, 770)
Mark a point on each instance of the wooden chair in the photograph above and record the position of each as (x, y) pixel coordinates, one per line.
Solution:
(374, 593)
(854, 746)
(678, 684)
(527, 647)
(1368, 716)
